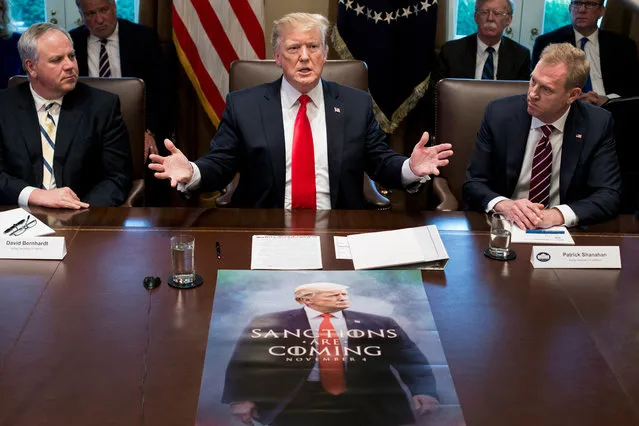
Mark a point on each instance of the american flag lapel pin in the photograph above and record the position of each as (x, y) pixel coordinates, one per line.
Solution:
(356, 321)
(337, 110)
(579, 136)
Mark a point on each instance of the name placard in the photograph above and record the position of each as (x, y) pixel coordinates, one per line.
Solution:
(48, 248)
(577, 257)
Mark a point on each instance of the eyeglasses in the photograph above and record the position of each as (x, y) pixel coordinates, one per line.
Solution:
(20, 227)
(496, 13)
(586, 4)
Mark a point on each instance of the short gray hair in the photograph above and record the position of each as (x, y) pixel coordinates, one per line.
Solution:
(77, 2)
(28, 43)
(480, 3)
(302, 21)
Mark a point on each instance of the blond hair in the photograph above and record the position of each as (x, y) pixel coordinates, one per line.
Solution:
(577, 66)
(300, 21)
(308, 290)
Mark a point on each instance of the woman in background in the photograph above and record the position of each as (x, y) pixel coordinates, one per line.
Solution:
(9, 58)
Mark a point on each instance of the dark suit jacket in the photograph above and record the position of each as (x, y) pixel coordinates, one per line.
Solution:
(457, 59)
(92, 153)
(141, 56)
(254, 374)
(590, 181)
(617, 54)
(250, 140)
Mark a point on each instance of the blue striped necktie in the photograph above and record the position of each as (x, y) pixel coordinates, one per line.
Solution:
(588, 86)
(105, 68)
(488, 72)
(47, 131)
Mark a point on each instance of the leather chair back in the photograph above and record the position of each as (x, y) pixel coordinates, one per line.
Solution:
(131, 93)
(459, 110)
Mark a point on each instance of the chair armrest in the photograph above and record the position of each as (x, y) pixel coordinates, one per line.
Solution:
(224, 200)
(374, 199)
(447, 200)
(136, 195)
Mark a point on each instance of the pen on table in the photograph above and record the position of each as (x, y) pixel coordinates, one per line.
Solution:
(14, 226)
(218, 249)
(543, 231)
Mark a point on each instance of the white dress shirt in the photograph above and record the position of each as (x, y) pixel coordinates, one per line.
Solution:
(339, 324)
(482, 56)
(523, 183)
(40, 104)
(315, 112)
(113, 50)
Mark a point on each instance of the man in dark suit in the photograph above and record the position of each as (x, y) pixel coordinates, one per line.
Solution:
(132, 50)
(546, 158)
(614, 67)
(264, 136)
(62, 143)
(325, 364)
(486, 54)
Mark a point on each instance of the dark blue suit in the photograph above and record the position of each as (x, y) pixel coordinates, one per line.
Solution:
(590, 180)
(92, 154)
(250, 140)
(270, 382)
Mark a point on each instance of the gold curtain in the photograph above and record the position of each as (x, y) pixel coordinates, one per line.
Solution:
(194, 130)
(623, 18)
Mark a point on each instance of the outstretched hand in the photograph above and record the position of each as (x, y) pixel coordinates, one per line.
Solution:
(174, 166)
(427, 160)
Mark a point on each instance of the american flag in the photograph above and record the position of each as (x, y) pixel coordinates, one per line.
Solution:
(208, 36)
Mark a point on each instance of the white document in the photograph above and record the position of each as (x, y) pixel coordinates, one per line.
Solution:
(286, 252)
(420, 247)
(48, 248)
(553, 235)
(18, 223)
(342, 250)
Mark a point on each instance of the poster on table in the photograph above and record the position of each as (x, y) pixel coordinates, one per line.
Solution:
(272, 357)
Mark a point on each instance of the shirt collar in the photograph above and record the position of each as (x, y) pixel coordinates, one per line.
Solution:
(592, 38)
(559, 124)
(290, 95)
(114, 37)
(312, 313)
(481, 46)
(41, 102)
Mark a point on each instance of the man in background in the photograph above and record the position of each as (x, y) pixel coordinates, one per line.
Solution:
(546, 158)
(110, 47)
(486, 55)
(614, 67)
(63, 144)
(344, 376)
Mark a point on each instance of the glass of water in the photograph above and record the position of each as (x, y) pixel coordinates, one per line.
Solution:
(182, 260)
(499, 246)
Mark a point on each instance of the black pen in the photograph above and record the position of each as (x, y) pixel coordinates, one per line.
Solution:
(218, 249)
(14, 226)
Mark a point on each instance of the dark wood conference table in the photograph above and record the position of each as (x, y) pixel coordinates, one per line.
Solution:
(83, 343)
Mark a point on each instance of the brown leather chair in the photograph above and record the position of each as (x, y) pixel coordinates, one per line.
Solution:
(131, 93)
(459, 110)
(244, 74)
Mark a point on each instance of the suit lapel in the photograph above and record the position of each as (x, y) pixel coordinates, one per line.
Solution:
(504, 54)
(125, 38)
(469, 57)
(571, 147)
(81, 51)
(516, 147)
(607, 58)
(70, 115)
(272, 122)
(26, 118)
(334, 136)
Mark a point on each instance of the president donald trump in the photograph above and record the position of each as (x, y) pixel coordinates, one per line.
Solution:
(325, 364)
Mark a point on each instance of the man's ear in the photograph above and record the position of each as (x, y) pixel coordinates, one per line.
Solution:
(575, 93)
(29, 67)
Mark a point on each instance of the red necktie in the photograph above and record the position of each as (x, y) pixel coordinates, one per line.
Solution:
(541, 169)
(303, 161)
(330, 356)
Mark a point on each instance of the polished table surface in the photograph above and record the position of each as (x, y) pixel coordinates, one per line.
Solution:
(82, 342)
